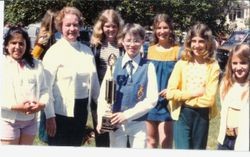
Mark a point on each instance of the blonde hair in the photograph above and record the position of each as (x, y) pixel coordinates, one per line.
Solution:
(109, 14)
(203, 31)
(63, 12)
(243, 52)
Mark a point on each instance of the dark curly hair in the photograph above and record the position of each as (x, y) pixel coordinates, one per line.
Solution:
(10, 34)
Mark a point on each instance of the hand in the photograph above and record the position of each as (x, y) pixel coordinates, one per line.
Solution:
(23, 107)
(98, 128)
(35, 107)
(117, 118)
(44, 38)
(51, 126)
(163, 93)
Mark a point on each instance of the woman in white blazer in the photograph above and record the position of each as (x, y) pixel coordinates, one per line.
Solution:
(73, 82)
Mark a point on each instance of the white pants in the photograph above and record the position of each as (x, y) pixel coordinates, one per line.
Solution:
(135, 131)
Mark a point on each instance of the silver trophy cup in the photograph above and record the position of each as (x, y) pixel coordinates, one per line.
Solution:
(109, 97)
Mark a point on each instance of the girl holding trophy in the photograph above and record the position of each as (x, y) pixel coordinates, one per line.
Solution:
(133, 76)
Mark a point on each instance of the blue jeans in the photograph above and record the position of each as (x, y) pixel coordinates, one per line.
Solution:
(228, 143)
(191, 129)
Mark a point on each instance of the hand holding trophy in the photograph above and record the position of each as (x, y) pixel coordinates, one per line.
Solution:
(110, 97)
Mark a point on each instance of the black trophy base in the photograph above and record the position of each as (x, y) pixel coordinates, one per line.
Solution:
(107, 126)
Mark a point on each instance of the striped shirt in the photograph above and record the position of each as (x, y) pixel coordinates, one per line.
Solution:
(106, 50)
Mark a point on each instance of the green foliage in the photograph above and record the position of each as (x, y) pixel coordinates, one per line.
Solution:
(184, 12)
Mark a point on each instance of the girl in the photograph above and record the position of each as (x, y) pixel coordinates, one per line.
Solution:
(234, 97)
(24, 90)
(105, 41)
(136, 92)
(164, 54)
(192, 89)
(46, 36)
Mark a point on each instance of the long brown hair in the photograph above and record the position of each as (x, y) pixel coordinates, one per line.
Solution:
(203, 31)
(165, 18)
(48, 23)
(243, 52)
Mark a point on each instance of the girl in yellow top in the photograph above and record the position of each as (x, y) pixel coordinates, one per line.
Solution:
(192, 88)
(46, 36)
(164, 53)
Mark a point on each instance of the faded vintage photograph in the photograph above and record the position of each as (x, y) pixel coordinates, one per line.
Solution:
(145, 76)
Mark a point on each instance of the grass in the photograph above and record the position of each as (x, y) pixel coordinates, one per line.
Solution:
(212, 135)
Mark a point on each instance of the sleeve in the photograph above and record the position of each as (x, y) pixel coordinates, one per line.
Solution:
(95, 82)
(102, 105)
(43, 87)
(37, 51)
(50, 70)
(7, 98)
(149, 101)
(175, 90)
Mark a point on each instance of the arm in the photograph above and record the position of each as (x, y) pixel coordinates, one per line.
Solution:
(95, 82)
(175, 90)
(42, 90)
(102, 104)
(37, 50)
(50, 70)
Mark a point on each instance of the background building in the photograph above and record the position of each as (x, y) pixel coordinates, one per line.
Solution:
(238, 17)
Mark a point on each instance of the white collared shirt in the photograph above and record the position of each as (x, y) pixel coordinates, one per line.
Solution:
(21, 84)
(141, 107)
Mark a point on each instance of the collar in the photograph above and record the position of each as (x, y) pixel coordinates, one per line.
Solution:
(135, 60)
(11, 61)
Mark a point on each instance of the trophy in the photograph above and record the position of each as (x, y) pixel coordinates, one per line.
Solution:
(109, 97)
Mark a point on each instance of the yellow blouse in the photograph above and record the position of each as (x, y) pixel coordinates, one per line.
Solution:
(184, 79)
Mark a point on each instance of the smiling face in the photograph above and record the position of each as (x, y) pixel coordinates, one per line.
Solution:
(110, 30)
(162, 31)
(240, 68)
(198, 46)
(132, 44)
(70, 27)
(16, 46)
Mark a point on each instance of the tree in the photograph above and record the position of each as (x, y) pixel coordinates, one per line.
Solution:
(185, 13)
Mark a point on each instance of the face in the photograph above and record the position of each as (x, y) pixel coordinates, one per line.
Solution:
(198, 46)
(110, 30)
(240, 69)
(132, 44)
(70, 27)
(16, 47)
(162, 31)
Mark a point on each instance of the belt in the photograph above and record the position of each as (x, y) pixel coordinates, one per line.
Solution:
(232, 132)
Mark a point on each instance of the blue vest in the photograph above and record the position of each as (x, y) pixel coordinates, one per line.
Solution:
(128, 92)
